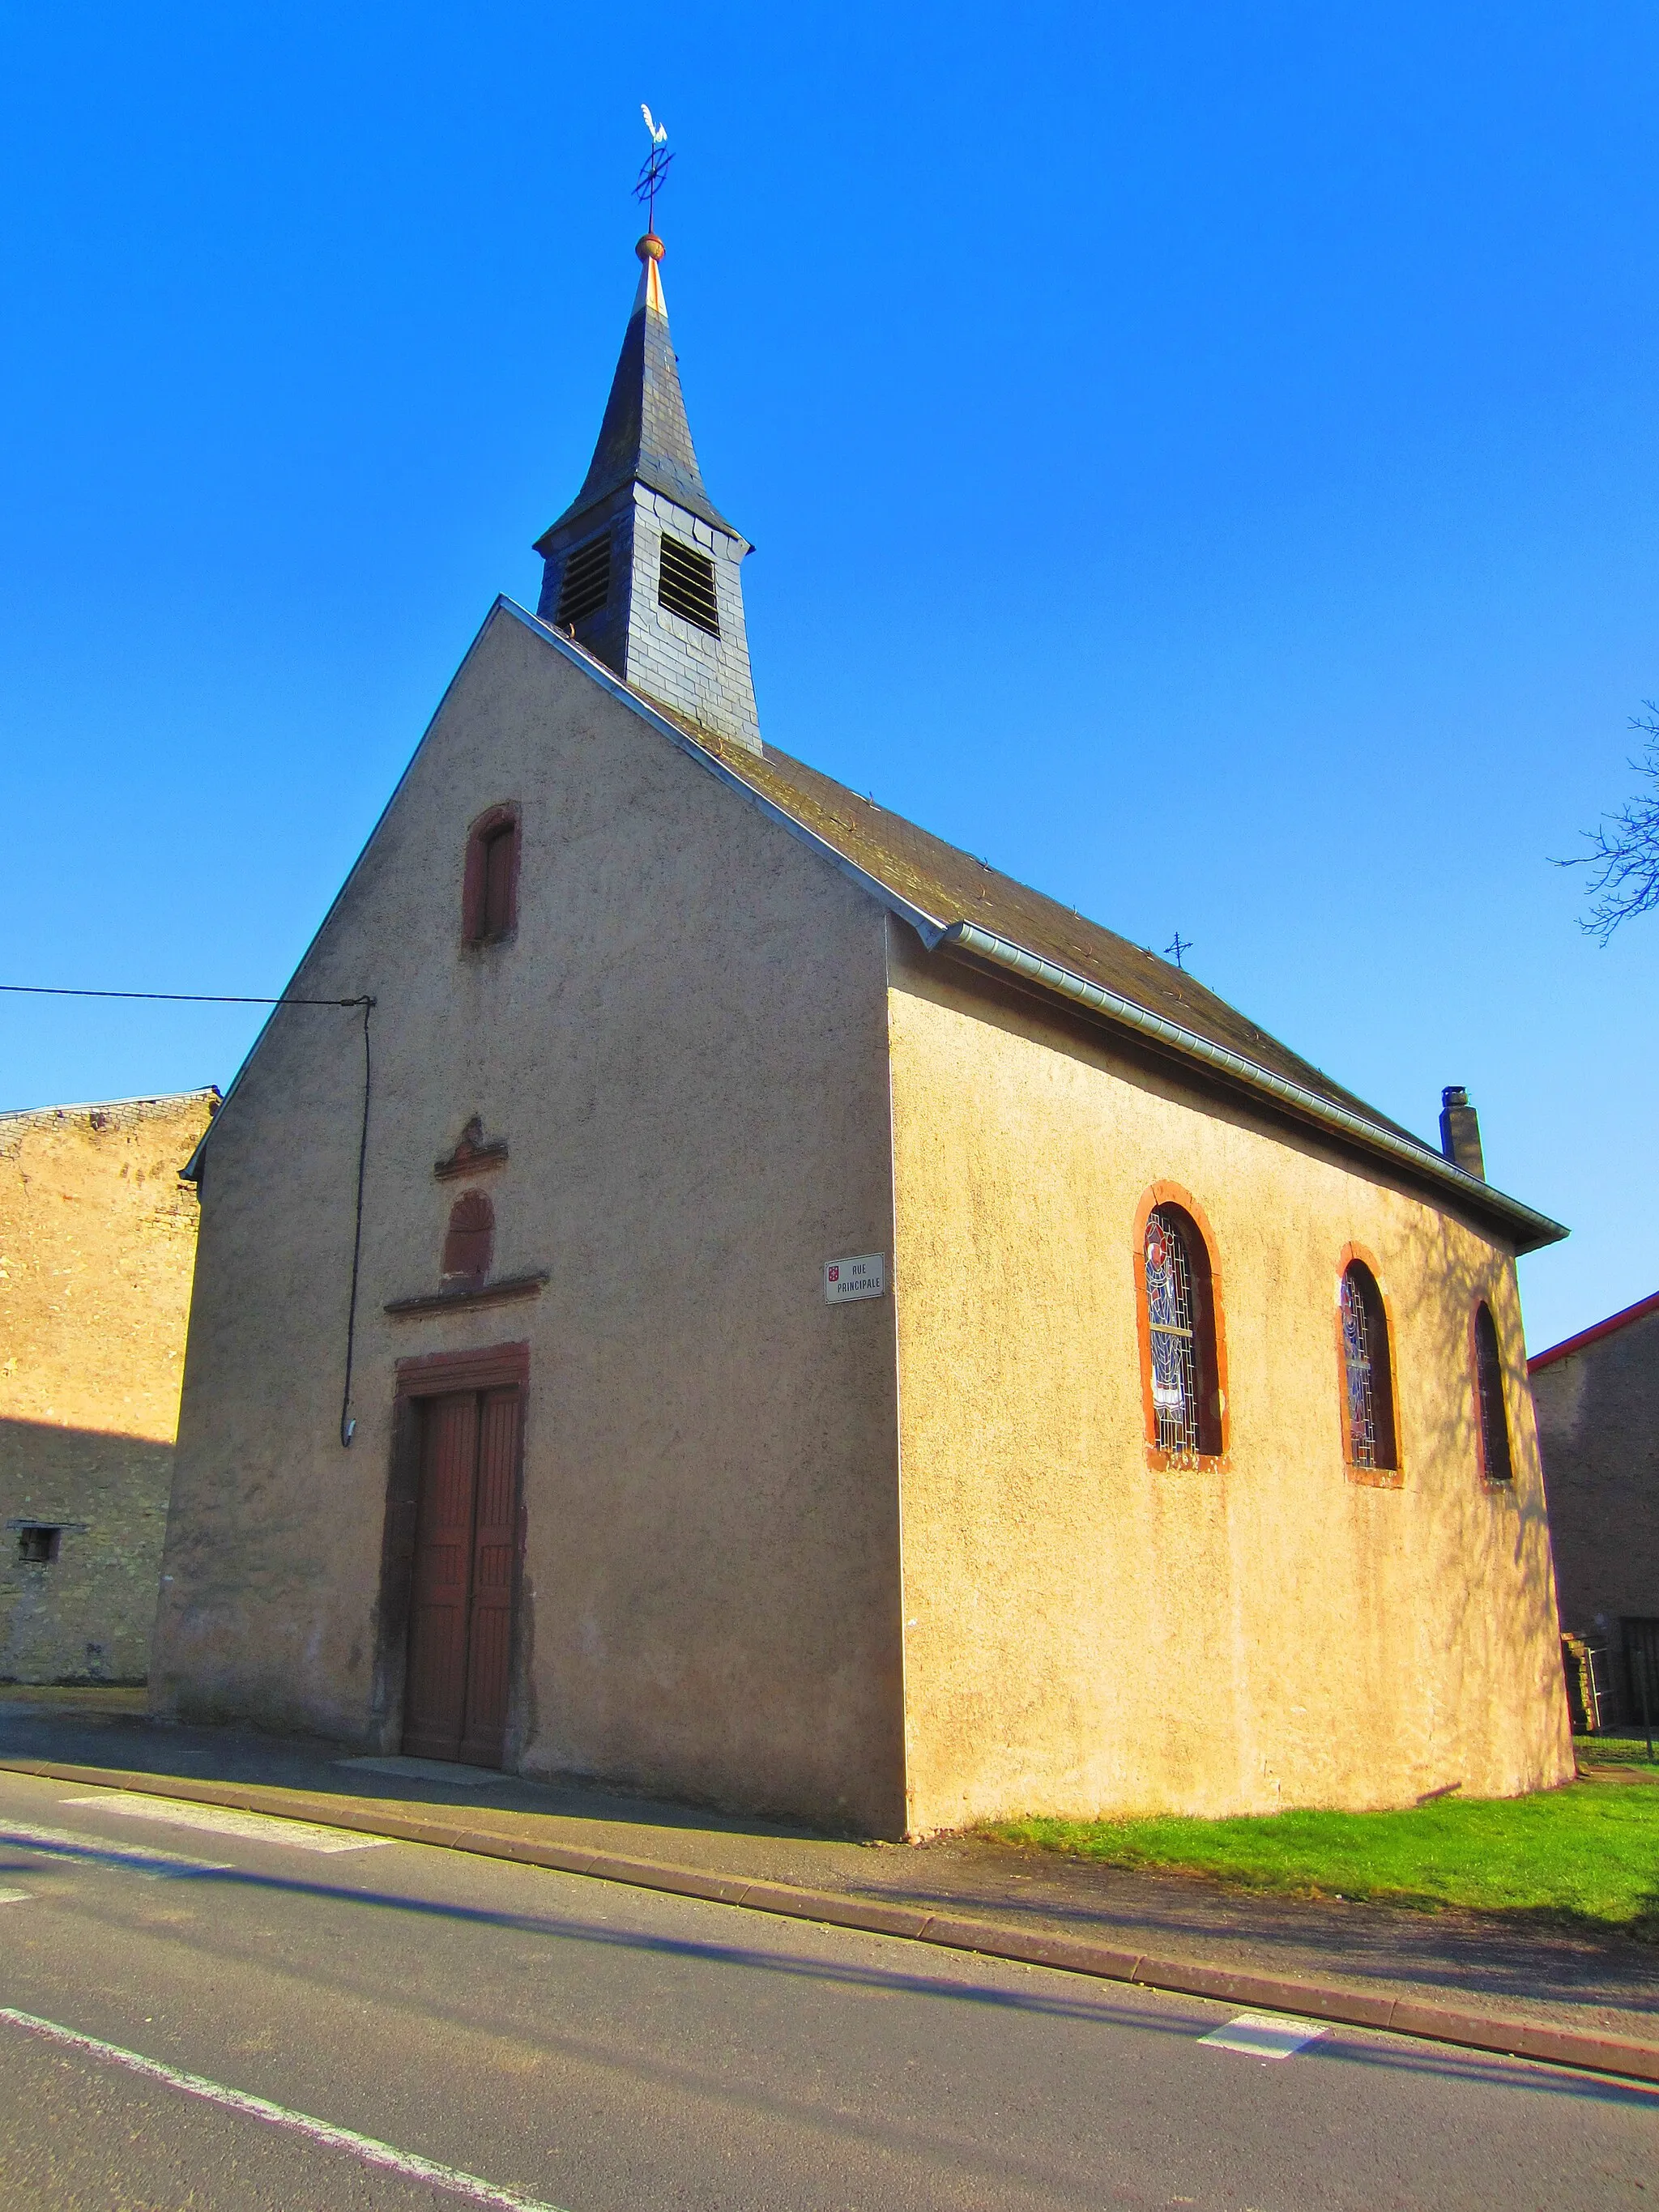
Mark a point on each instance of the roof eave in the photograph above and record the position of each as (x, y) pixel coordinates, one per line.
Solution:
(926, 925)
(1528, 1229)
(1596, 1333)
(1524, 1227)
(587, 503)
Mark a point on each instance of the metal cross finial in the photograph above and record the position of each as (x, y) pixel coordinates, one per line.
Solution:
(653, 168)
(1177, 946)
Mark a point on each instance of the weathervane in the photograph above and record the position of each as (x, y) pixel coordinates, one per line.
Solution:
(1179, 945)
(653, 169)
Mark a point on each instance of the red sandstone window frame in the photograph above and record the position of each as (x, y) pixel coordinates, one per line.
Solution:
(479, 926)
(1210, 1348)
(1502, 1481)
(1391, 1476)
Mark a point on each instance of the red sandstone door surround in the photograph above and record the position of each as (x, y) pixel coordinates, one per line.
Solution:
(467, 1425)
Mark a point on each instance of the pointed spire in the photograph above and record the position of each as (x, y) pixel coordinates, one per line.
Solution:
(642, 568)
(645, 437)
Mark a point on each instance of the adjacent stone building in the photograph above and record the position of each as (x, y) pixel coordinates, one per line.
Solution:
(800, 1321)
(97, 1246)
(1597, 1396)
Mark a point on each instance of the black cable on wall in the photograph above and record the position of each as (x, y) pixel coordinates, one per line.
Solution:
(348, 1427)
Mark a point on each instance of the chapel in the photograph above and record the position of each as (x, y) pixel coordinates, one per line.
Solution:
(719, 1293)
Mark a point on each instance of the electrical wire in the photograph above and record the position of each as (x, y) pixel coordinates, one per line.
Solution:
(172, 997)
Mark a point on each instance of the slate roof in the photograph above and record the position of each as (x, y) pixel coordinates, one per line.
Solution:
(645, 437)
(955, 894)
(949, 894)
(952, 885)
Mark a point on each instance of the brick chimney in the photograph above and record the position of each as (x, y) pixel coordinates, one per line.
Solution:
(1459, 1131)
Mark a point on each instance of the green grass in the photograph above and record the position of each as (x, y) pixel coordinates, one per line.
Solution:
(1615, 1751)
(1588, 1853)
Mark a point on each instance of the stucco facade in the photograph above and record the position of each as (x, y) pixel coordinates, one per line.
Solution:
(1089, 1631)
(97, 1246)
(1597, 1397)
(888, 1565)
(682, 1047)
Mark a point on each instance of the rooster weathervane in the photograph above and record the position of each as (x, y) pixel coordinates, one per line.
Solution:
(653, 168)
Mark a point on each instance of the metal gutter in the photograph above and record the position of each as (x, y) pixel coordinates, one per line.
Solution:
(1537, 1229)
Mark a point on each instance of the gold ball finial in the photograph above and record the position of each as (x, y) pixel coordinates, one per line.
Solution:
(650, 247)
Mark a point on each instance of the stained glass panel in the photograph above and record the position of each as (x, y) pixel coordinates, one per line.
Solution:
(1356, 1354)
(1170, 1317)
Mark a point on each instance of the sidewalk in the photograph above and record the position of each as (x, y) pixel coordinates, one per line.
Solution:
(1583, 1998)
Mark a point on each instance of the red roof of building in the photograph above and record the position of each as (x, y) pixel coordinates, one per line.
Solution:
(1592, 1335)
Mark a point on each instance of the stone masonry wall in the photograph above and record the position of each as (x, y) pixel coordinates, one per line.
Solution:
(97, 1251)
(1598, 1428)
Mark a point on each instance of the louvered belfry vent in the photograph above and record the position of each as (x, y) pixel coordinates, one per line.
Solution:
(685, 586)
(642, 568)
(586, 583)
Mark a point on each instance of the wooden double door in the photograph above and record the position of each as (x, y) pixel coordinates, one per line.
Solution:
(466, 1544)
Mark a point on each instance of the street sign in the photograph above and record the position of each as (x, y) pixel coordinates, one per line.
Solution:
(865, 1277)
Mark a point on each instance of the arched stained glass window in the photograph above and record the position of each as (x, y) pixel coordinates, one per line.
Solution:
(1180, 1327)
(1368, 1371)
(1495, 1463)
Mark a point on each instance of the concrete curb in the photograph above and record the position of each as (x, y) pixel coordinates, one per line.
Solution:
(1474, 2031)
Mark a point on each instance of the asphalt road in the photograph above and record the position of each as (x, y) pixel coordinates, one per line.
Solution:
(234, 2017)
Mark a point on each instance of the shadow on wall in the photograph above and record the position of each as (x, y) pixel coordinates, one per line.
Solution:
(82, 1517)
(1504, 1529)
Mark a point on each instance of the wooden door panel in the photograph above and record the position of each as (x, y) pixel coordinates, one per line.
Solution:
(434, 1699)
(495, 1551)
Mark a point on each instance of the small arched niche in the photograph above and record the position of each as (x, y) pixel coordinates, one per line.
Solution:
(469, 1243)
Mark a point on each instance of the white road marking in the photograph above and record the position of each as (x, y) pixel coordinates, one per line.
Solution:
(226, 1821)
(14, 1897)
(1264, 2035)
(138, 1858)
(366, 2148)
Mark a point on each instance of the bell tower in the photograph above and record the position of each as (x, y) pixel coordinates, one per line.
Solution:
(642, 568)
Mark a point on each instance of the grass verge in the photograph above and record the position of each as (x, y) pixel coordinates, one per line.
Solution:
(1614, 1751)
(1587, 1853)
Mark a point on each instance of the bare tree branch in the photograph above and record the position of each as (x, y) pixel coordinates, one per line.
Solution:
(1625, 846)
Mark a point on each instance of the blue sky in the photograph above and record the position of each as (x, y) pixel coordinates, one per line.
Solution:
(1203, 460)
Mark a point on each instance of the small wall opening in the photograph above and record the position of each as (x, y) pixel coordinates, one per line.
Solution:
(490, 884)
(469, 1242)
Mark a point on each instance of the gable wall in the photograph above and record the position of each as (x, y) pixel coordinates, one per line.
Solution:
(1598, 1426)
(1086, 1636)
(684, 1049)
